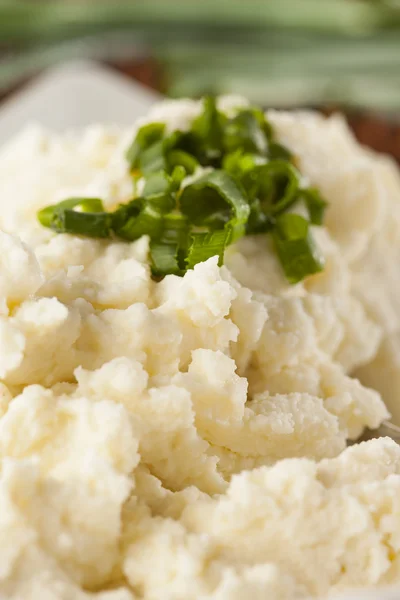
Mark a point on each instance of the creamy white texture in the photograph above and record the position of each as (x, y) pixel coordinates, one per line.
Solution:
(363, 190)
(186, 439)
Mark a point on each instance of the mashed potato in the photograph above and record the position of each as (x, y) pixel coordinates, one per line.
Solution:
(187, 439)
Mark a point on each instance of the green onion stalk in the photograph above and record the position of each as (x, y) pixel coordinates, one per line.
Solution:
(242, 182)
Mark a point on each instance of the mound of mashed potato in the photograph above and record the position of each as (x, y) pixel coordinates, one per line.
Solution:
(187, 439)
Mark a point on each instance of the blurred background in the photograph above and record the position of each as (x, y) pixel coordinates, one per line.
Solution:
(327, 54)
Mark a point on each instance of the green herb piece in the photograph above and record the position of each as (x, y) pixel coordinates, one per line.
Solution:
(78, 203)
(275, 184)
(278, 152)
(259, 221)
(131, 221)
(181, 158)
(316, 205)
(295, 247)
(95, 225)
(152, 158)
(176, 233)
(250, 185)
(177, 176)
(207, 129)
(175, 230)
(246, 133)
(238, 163)
(146, 137)
(183, 141)
(45, 216)
(206, 245)
(164, 259)
(266, 126)
(216, 200)
(159, 191)
(80, 216)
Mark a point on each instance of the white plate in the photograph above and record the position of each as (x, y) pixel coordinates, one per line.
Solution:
(74, 95)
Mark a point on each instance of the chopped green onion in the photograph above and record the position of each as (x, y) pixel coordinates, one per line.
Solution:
(159, 191)
(177, 176)
(207, 129)
(278, 152)
(275, 184)
(316, 205)
(184, 159)
(184, 141)
(83, 204)
(152, 158)
(216, 199)
(164, 259)
(266, 125)
(45, 216)
(238, 163)
(147, 135)
(259, 221)
(296, 248)
(176, 232)
(81, 216)
(249, 186)
(79, 223)
(206, 245)
(131, 221)
(245, 132)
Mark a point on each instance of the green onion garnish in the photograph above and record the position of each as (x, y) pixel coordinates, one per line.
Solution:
(81, 216)
(138, 217)
(183, 159)
(275, 185)
(249, 187)
(295, 247)
(146, 137)
(205, 245)
(245, 132)
(159, 191)
(316, 205)
(215, 200)
(164, 259)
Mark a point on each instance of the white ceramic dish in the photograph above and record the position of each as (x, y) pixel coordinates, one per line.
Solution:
(74, 95)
